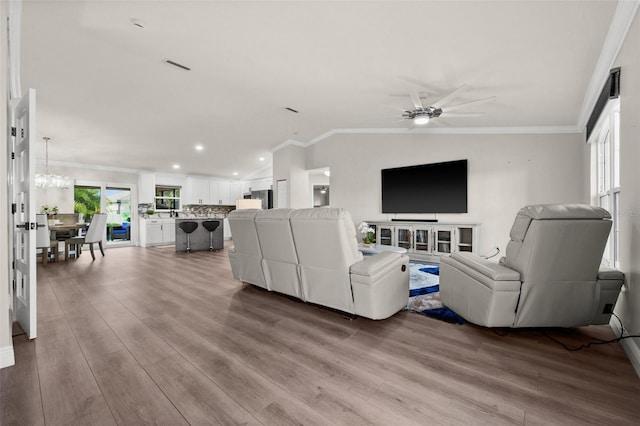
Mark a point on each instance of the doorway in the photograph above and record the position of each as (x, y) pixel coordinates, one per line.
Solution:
(320, 195)
(115, 201)
(118, 209)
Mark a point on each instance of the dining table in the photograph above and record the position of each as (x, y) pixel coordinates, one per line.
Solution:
(75, 228)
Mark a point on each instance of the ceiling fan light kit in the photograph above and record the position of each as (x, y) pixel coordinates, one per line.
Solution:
(421, 114)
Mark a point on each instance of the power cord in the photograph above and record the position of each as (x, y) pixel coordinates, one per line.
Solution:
(583, 346)
(489, 256)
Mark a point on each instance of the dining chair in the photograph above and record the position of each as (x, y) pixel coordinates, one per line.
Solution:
(95, 234)
(43, 239)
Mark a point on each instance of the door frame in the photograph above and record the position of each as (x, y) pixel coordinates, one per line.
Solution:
(133, 188)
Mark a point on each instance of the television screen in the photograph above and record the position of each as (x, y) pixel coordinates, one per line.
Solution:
(426, 188)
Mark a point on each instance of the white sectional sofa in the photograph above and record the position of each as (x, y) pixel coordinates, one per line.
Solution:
(312, 254)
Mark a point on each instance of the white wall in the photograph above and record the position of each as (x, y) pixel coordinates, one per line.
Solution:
(628, 306)
(506, 172)
(289, 163)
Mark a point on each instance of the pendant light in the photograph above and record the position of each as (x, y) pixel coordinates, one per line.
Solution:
(47, 180)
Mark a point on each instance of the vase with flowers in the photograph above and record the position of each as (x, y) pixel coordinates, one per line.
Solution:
(368, 234)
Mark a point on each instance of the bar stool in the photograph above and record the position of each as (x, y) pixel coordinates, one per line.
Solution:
(188, 227)
(211, 225)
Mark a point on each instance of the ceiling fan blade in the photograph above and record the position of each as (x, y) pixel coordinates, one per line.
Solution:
(478, 102)
(450, 96)
(396, 107)
(415, 98)
(461, 114)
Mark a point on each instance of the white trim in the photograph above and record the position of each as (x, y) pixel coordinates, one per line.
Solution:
(437, 131)
(287, 143)
(93, 167)
(250, 175)
(7, 359)
(620, 24)
(630, 347)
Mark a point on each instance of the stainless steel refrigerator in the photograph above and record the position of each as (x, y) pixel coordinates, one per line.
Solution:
(265, 195)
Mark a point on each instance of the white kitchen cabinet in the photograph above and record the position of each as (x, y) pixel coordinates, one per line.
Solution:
(223, 194)
(146, 188)
(198, 192)
(235, 192)
(150, 232)
(157, 232)
(168, 231)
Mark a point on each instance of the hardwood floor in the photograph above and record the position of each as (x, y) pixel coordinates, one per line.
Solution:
(149, 336)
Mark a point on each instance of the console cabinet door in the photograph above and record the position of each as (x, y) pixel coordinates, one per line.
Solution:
(464, 240)
(443, 240)
(404, 237)
(385, 235)
(422, 239)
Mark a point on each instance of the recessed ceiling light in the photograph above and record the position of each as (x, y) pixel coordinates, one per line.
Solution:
(176, 166)
(327, 173)
(261, 158)
(199, 147)
(235, 173)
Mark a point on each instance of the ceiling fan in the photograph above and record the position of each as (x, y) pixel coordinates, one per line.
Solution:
(421, 114)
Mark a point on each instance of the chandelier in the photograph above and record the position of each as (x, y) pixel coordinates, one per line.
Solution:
(47, 180)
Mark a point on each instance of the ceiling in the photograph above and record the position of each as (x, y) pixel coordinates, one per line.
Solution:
(106, 97)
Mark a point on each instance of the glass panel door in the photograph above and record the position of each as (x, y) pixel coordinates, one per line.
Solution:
(86, 201)
(118, 209)
(386, 236)
(421, 240)
(404, 237)
(443, 241)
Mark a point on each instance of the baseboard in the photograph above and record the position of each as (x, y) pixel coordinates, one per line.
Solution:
(6, 357)
(630, 347)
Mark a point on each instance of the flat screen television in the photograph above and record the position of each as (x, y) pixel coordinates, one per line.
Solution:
(425, 188)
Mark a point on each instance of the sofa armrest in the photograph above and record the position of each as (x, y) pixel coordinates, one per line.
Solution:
(374, 265)
(494, 271)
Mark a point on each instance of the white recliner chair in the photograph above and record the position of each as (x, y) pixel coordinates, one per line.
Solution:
(335, 274)
(550, 276)
(279, 257)
(246, 256)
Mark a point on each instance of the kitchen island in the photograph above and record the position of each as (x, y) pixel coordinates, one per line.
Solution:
(200, 238)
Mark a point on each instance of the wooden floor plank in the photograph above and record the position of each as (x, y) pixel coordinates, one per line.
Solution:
(198, 399)
(132, 395)
(20, 400)
(151, 336)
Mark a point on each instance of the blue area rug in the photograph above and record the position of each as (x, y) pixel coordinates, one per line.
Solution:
(424, 294)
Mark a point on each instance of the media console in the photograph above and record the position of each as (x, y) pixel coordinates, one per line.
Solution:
(427, 241)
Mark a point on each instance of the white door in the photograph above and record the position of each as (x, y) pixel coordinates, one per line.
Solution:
(24, 217)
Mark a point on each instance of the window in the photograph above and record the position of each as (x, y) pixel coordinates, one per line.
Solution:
(606, 139)
(167, 197)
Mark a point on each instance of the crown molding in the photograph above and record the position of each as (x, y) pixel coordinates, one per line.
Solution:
(288, 142)
(251, 175)
(95, 167)
(620, 24)
(439, 131)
